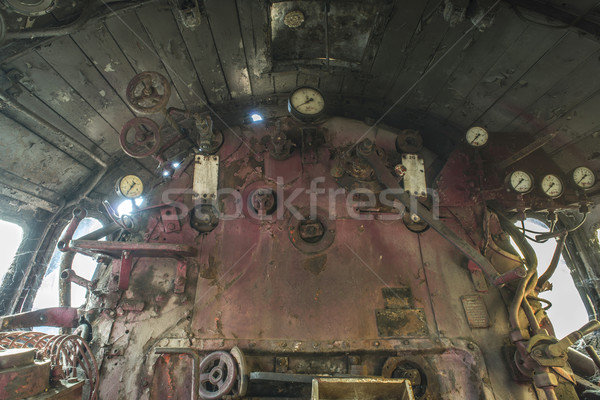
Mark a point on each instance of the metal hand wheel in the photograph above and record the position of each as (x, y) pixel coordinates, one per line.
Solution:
(217, 375)
(243, 375)
(140, 137)
(148, 92)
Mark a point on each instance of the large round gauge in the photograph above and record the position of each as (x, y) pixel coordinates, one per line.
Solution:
(552, 186)
(584, 177)
(520, 182)
(477, 136)
(306, 103)
(130, 186)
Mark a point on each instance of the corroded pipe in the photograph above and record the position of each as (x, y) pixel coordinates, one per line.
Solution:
(78, 215)
(70, 276)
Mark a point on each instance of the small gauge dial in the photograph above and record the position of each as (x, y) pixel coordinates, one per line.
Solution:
(130, 186)
(520, 182)
(552, 186)
(306, 103)
(584, 177)
(477, 136)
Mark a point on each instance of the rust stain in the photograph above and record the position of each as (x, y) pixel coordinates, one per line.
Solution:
(315, 265)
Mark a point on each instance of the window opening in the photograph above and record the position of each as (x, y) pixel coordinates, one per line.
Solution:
(11, 236)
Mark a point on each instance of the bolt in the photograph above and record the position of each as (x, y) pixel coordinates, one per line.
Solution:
(376, 344)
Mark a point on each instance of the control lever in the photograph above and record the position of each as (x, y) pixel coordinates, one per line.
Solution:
(560, 347)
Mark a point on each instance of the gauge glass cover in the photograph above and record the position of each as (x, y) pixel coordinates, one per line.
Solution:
(584, 177)
(477, 136)
(552, 186)
(307, 101)
(130, 186)
(521, 182)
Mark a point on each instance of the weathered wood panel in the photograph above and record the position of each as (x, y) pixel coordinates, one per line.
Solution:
(170, 46)
(392, 53)
(541, 77)
(46, 84)
(78, 71)
(206, 60)
(535, 43)
(139, 50)
(254, 25)
(224, 23)
(35, 160)
(479, 57)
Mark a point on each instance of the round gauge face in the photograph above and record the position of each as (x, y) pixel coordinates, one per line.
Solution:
(584, 177)
(552, 186)
(306, 102)
(477, 136)
(130, 186)
(521, 182)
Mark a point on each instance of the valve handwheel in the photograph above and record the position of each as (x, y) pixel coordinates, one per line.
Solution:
(217, 375)
(140, 137)
(148, 92)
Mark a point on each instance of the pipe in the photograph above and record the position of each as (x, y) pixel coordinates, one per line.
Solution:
(21, 110)
(78, 215)
(593, 355)
(582, 365)
(102, 232)
(64, 286)
(554, 262)
(70, 276)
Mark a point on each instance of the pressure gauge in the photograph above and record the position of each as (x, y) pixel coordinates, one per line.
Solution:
(306, 103)
(584, 177)
(552, 186)
(520, 181)
(477, 136)
(130, 186)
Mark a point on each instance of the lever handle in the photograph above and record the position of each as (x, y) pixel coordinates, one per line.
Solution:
(557, 349)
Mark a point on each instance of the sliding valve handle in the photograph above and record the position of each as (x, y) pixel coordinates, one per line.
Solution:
(557, 349)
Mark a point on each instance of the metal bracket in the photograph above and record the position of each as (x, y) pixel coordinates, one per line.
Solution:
(310, 146)
(206, 178)
(415, 183)
(127, 251)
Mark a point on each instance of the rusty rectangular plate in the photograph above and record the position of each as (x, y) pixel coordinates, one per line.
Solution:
(401, 322)
(398, 297)
(361, 388)
(476, 311)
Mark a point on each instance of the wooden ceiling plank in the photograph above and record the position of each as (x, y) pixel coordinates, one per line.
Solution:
(162, 29)
(75, 68)
(71, 134)
(434, 37)
(37, 161)
(43, 81)
(479, 57)
(570, 52)
(392, 52)
(580, 83)
(19, 183)
(254, 25)
(224, 23)
(206, 60)
(506, 71)
(431, 43)
(581, 121)
(135, 44)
